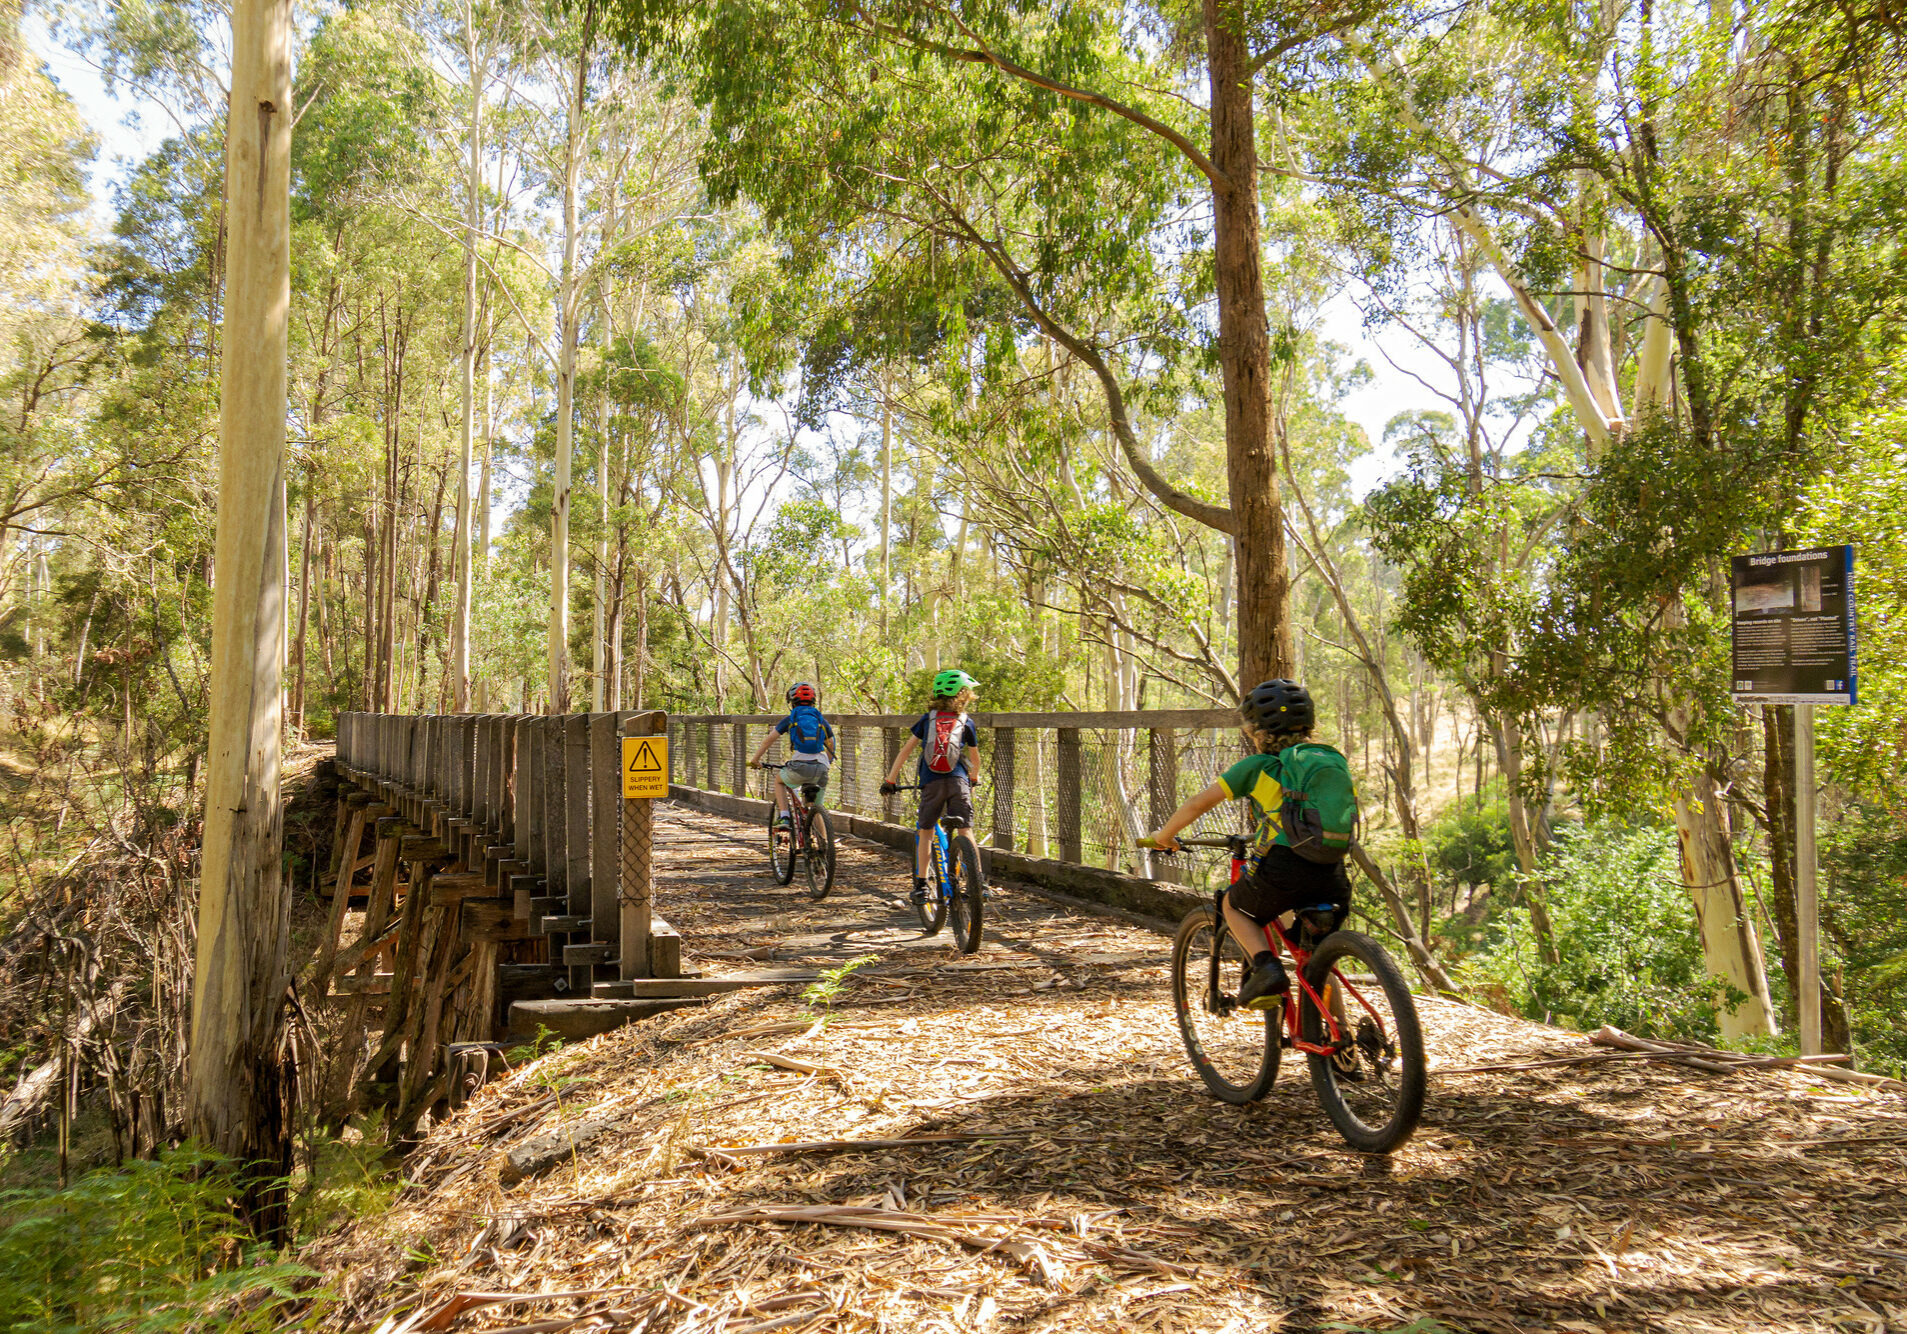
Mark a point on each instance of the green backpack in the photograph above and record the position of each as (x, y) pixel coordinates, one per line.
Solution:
(1319, 809)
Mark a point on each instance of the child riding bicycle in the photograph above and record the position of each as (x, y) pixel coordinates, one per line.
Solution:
(949, 746)
(1305, 808)
(810, 746)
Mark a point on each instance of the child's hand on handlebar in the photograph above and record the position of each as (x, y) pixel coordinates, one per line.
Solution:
(1159, 843)
(888, 789)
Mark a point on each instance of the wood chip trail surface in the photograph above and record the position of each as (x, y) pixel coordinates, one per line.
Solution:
(1067, 1172)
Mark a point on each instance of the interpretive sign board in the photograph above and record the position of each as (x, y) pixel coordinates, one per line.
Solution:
(1794, 626)
(645, 767)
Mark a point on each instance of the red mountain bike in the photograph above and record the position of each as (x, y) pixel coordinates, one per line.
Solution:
(807, 840)
(1354, 1018)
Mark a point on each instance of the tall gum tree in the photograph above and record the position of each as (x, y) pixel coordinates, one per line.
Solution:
(756, 62)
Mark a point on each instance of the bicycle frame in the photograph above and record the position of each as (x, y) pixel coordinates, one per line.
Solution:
(798, 812)
(1274, 938)
(943, 863)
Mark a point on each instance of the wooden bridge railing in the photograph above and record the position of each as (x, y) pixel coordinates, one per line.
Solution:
(1068, 787)
(504, 864)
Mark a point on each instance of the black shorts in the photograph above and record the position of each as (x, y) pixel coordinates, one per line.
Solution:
(1284, 882)
(948, 796)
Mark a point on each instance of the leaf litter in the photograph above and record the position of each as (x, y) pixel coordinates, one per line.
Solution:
(965, 1148)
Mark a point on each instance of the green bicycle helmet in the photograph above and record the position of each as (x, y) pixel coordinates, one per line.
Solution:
(951, 682)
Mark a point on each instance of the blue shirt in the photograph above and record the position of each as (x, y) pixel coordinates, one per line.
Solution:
(813, 722)
(924, 731)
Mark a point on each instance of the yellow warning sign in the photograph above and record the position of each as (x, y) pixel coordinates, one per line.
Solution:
(645, 767)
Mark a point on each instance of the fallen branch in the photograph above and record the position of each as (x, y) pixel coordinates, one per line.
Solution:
(1724, 1062)
(843, 1145)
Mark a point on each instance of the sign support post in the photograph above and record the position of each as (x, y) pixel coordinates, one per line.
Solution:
(645, 777)
(1794, 643)
(1808, 1002)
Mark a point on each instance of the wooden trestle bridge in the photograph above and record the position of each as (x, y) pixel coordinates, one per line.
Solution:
(504, 882)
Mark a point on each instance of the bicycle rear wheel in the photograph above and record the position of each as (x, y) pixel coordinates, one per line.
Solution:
(818, 856)
(781, 849)
(933, 913)
(1373, 1089)
(969, 891)
(1234, 1049)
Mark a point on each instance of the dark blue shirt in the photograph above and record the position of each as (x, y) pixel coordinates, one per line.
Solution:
(814, 723)
(924, 731)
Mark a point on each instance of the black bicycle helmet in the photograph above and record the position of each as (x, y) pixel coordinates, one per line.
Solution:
(1279, 706)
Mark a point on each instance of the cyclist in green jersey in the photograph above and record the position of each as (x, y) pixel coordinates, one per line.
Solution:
(1276, 717)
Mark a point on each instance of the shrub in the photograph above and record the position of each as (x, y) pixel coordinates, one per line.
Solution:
(143, 1248)
(1629, 951)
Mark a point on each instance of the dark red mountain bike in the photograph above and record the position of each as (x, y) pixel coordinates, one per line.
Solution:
(807, 840)
(1353, 1019)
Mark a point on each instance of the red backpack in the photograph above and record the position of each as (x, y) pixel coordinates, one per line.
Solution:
(943, 741)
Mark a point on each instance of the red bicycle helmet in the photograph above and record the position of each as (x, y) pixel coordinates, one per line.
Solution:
(802, 693)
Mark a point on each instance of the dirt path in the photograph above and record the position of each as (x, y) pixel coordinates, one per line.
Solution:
(1084, 1180)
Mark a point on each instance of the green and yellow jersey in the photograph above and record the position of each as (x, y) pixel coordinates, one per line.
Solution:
(1256, 779)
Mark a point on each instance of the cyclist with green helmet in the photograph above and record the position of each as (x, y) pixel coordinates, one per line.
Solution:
(949, 746)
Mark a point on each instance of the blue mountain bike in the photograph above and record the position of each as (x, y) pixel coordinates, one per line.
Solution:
(956, 889)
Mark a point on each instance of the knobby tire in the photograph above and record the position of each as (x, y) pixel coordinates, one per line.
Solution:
(1234, 1050)
(933, 913)
(819, 855)
(969, 894)
(1379, 1109)
(781, 849)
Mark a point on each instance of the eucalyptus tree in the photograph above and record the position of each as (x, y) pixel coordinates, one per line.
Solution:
(1052, 145)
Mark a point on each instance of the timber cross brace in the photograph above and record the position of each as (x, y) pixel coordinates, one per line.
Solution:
(498, 868)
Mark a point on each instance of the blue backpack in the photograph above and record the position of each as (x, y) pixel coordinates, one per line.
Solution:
(807, 730)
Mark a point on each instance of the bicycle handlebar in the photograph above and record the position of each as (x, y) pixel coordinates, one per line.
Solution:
(1230, 842)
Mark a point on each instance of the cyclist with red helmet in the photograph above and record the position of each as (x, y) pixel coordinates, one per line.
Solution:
(810, 745)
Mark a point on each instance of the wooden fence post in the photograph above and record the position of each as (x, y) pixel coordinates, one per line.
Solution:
(555, 802)
(1069, 840)
(636, 884)
(605, 804)
(576, 810)
(714, 773)
(739, 760)
(846, 737)
(890, 748)
(1003, 788)
(690, 769)
(1162, 790)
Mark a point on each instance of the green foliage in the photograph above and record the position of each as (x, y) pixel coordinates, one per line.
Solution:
(1625, 930)
(827, 988)
(144, 1248)
(1864, 920)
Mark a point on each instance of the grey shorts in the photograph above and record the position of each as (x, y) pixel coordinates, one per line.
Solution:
(807, 769)
(946, 796)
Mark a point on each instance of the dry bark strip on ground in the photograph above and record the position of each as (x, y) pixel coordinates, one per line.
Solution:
(1062, 1169)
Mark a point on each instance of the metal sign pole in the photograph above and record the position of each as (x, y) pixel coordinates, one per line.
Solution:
(1808, 1002)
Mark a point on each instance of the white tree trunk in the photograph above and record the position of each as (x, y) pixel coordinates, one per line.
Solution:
(1729, 943)
(573, 144)
(473, 186)
(234, 1100)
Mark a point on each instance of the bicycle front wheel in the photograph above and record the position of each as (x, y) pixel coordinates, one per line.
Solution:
(1234, 1049)
(969, 892)
(933, 913)
(1372, 1088)
(781, 849)
(818, 856)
